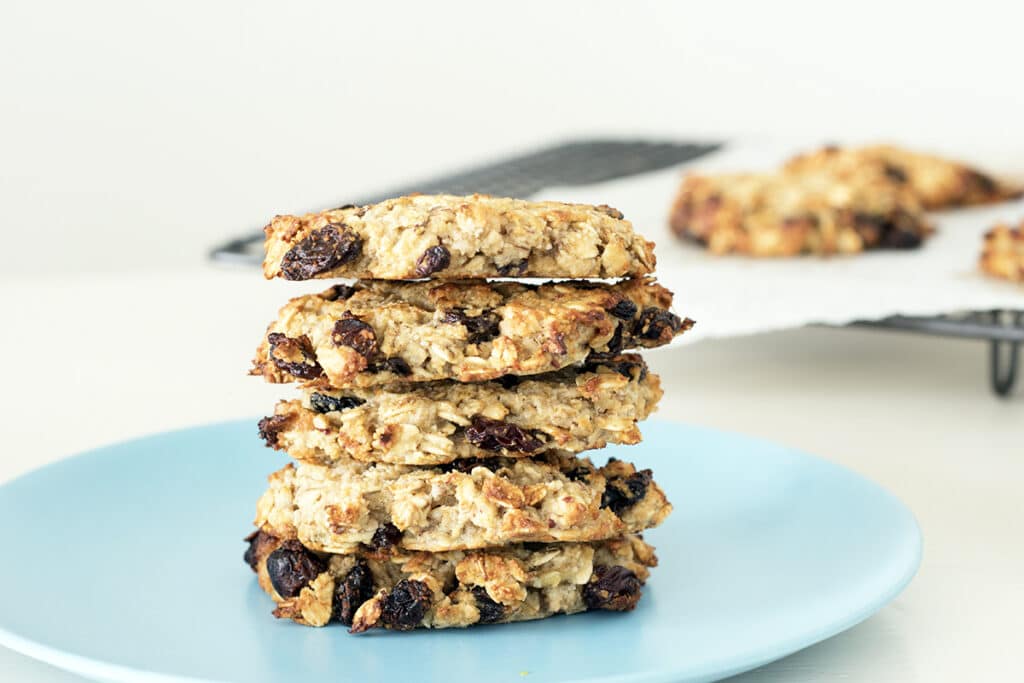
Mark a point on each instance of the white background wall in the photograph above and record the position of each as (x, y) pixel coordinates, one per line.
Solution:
(130, 128)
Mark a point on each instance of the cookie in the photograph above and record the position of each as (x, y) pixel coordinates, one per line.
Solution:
(936, 182)
(469, 504)
(571, 410)
(786, 214)
(385, 332)
(403, 590)
(450, 237)
(1003, 252)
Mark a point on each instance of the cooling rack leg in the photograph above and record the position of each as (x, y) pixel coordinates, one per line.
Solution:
(1003, 364)
(1003, 357)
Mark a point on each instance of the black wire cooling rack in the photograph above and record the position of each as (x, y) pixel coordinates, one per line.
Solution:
(585, 162)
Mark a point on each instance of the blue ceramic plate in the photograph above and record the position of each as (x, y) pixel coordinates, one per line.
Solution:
(125, 563)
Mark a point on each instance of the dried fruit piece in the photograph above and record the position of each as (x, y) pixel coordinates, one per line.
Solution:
(338, 293)
(396, 365)
(894, 173)
(614, 344)
(624, 309)
(405, 606)
(479, 328)
(355, 334)
(466, 465)
(656, 324)
(610, 210)
(626, 365)
(612, 588)
(490, 610)
(328, 247)
(887, 231)
(433, 260)
(324, 403)
(294, 356)
(386, 536)
(622, 493)
(513, 269)
(250, 551)
(579, 473)
(351, 592)
(271, 427)
(496, 435)
(291, 567)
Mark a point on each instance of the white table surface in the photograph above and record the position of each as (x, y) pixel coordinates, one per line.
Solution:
(102, 358)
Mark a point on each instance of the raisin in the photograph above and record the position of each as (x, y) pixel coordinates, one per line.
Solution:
(466, 465)
(406, 605)
(513, 269)
(271, 427)
(894, 231)
(395, 365)
(612, 588)
(901, 239)
(338, 293)
(578, 473)
(351, 592)
(325, 248)
(624, 309)
(490, 610)
(433, 259)
(479, 328)
(323, 403)
(294, 356)
(894, 173)
(344, 207)
(626, 364)
(386, 536)
(495, 435)
(656, 324)
(622, 493)
(615, 343)
(355, 334)
(610, 211)
(291, 567)
(253, 540)
(979, 182)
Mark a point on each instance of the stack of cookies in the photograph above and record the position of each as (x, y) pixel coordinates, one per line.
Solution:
(441, 414)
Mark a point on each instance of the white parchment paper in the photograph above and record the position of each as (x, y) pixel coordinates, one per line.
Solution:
(736, 295)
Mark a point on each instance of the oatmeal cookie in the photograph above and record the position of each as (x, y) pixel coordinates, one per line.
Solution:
(381, 332)
(449, 237)
(1003, 252)
(432, 423)
(403, 590)
(936, 182)
(787, 214)
(468, 504)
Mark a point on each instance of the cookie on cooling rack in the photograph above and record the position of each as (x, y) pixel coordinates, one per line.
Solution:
(1002, 255)
(937, 182)
(787, 214)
